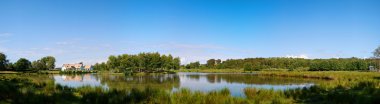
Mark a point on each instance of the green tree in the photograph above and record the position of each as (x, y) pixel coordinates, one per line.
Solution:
(211, 63)
(142, 62)
(193, 65)
(176, 63)
(376, 54)
(44, 63)
(3, 61)
(39, 65)
(10, 66)
(22, 64)
(49, 61)
(248, 67)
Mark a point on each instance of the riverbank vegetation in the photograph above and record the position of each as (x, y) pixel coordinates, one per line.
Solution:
(16, 89)
(143, 62)
(292, 64)
(24, 65)
(256, 64)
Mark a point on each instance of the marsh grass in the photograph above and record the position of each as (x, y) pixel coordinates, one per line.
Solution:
(343, 88)
(266, 96)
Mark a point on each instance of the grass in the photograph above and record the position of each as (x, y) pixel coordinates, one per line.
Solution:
(265, 96)
(40, 72)
(8, 72)
(20, 90)
(337, 78)
(345, 87)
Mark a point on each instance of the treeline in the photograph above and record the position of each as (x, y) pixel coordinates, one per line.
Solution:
(142, 62)
(23, 64)
(341, 64)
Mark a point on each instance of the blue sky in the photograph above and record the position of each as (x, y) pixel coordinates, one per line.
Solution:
(91, 30)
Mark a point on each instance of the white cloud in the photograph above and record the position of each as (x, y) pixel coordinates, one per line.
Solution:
(298, 56)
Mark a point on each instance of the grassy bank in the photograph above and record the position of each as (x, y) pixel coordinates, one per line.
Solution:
(333, 75)
(329, 75)
(22, 90)
(8, 72)
(39, 72)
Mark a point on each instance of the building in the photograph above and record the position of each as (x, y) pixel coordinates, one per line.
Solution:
(88, 67)
(78, 66)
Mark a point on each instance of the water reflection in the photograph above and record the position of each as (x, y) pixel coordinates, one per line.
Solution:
(162, 81)
(193, 81)
(237, 82)
(79, 80)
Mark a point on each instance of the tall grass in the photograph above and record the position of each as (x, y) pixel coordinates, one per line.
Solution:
(265, 96)
(344, 88)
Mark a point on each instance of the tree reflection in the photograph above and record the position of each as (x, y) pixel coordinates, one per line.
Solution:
(164, 81)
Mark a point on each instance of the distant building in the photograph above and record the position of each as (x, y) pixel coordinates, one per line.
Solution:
(78, 66)
(372, 68)
(88, 67)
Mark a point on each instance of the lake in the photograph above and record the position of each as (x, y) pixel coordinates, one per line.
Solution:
(204, 82)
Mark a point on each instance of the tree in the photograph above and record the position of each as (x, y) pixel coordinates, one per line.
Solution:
(176, 63)
(211, 63)
(376, 53)
(44, 63)
(142, 62)
(218, 61)
(49, 61)
(3, 61)
(10, 66)
(193, 65)
(23, 64)
(39, 65)
(248, 67)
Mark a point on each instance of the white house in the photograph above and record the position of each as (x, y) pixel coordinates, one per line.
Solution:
(88, 67)
(78, 66)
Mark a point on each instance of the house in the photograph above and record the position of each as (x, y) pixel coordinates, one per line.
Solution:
(78, 66)
(88, 67)
(372, 68)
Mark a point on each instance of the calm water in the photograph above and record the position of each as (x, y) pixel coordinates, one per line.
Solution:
(194, 81)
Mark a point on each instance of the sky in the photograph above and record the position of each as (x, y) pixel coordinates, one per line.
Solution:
(195, 30)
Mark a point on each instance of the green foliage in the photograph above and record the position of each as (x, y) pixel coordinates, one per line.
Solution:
(349, 88)
(3, 61)
(248, 67)
(348, 64)
(361, 93)
(193, 65)
(376, 53)
(214, 63)
(265, 96)
(39, 65)
(143, 62)
(10, 66)
(42, 92)
(23, 64)
(211, 63)
(49, 62)
(44, 63)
